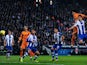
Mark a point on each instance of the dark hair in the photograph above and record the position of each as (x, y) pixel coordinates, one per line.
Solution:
(80, 16)
(9, 30)
(33, 29)
(25, 26)
(56, 28)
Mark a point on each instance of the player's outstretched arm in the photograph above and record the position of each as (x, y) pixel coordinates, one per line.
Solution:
(12, 42)
(71, 27)
(4, 42)
(85, 16)
(62, 38)
(20, 38)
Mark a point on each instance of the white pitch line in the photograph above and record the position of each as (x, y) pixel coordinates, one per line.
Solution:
(32, 63)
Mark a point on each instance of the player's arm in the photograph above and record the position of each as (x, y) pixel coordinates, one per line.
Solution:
(13, 41)
(83, 15)
(20, 38)
(5, 41)
(54, 39)
(86, 16)
(73, 26)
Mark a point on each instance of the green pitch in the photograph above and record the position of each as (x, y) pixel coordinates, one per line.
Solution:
(45, 60)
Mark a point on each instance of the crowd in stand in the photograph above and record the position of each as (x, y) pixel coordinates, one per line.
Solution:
(14, 14)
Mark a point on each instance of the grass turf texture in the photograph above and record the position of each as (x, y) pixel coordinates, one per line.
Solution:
(45, 60)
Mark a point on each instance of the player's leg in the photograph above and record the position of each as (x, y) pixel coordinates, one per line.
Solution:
(22, 48)
(73, 40)
(85, 36)
(81, 37)
(53, 52)
(80, 41)
(25, 53)
(9, 51)
(37, 53)
(56, 52)
(21, 55)
(30, 52)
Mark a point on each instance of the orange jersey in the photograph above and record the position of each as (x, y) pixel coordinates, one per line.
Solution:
(24, 35)
(75, 15)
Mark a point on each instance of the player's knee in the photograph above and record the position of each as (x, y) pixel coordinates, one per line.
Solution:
(81, 41)
(52, 49)
(29, 51)
(9, 51)
(21, 49)
(37, 52)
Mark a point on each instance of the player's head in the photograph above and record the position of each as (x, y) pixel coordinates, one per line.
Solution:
(25, 28)
(33, 31)
(80, 17)
(9, 32)
(55, 30)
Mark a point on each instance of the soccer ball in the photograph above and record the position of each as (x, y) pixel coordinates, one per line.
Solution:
(2, 32)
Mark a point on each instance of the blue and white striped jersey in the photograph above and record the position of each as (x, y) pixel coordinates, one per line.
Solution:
(32, 38)
(81, 27)
(57, 37)
(9, 39)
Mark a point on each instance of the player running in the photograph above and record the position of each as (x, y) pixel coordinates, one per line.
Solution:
(57, 45)
(8, 43)
(23, 37)
(80, 23)
(32, 39)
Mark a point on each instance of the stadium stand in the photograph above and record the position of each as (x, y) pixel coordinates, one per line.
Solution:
(14, 14)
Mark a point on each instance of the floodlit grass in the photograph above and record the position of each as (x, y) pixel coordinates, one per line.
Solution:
(45, 60)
